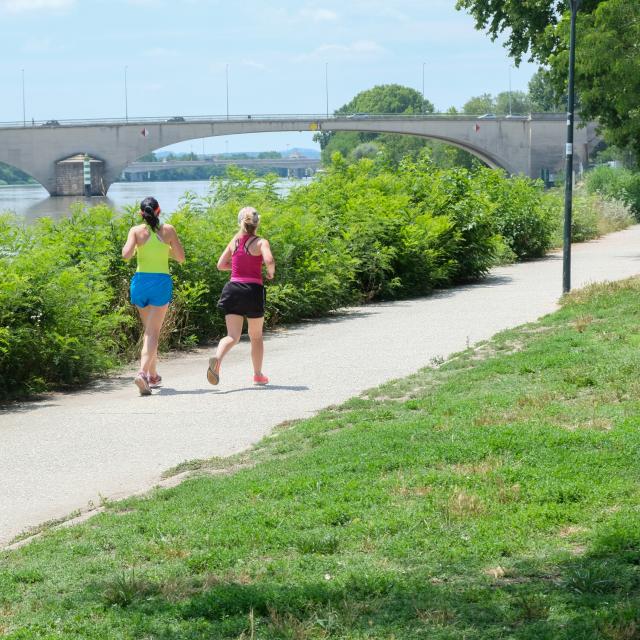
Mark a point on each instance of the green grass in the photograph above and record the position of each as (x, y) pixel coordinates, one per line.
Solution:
(496, 496)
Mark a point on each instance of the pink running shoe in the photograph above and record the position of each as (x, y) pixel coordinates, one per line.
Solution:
(142, 382)
(155, 381)
(260, 379)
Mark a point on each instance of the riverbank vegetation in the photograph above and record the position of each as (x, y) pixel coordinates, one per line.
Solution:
(12, 176)
(495, 496)
(363, 231)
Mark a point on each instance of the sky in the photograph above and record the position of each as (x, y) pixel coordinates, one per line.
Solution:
(281, 56)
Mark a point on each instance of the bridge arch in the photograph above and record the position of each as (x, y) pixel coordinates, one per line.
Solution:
(26, 170)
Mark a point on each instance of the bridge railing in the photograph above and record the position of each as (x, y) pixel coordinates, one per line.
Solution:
(79, 122)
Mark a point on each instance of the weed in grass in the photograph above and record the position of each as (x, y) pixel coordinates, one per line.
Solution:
(321, 543)
(28, 576)
(592, 578)
(126, 588)
(531, 606)
(583, 322)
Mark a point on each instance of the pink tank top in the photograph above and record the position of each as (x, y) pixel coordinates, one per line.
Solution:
(244, 266)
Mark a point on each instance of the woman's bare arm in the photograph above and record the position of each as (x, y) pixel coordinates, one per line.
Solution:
(224, 261)
(177, 251)
(129, 248)
(267, 256)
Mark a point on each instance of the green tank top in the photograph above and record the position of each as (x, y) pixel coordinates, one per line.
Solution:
(153, 255)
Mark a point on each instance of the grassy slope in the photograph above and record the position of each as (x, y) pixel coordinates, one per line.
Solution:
(494, 497)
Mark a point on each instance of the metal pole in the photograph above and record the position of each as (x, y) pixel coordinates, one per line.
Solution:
(510, 113)
(568, 184)
(24, 109)
(126, 98)
(227, 77)
(326, 84)
(422, 110)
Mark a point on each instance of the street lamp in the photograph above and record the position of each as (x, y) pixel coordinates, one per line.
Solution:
(326, 85)
(510, 112)
(568, 185)
(227, 77)
(24, 104)
(422, 110)
(126, 99)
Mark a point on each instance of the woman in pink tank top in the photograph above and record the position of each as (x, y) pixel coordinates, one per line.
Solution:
(244, 294)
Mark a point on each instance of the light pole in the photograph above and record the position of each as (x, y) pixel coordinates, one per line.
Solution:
(422, 110)
(510, 112)
(568, 180)
(126, 97)
(24, 109)
(326, 85)
(227, 78)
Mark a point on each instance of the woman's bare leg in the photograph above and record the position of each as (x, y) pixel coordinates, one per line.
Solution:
(257, 343)
(234, 331)
(152, 318)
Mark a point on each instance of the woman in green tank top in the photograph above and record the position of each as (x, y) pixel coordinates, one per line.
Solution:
(151, 285)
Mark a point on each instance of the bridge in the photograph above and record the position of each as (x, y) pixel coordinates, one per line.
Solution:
(51, 152)
(288, 163)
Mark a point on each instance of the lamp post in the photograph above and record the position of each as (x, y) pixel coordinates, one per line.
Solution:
(126, 97)
(24, 109)
(422, 110)
(510, 103)
(227, 78)
(326, 85)
(568, 186)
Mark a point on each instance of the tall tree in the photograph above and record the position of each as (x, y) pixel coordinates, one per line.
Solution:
(607, 57)
(387, 98)
(479, 105)
(543, 94)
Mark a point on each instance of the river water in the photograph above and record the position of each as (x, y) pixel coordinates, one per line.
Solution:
(32, 201)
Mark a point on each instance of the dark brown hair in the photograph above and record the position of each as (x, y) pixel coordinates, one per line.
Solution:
(148, 208)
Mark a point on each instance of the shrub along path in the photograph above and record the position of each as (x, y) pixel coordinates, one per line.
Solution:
(67, 450)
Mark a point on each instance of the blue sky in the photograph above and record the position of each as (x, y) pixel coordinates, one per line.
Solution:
(74, 54)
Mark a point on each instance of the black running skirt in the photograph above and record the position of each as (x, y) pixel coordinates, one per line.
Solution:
(243, 299)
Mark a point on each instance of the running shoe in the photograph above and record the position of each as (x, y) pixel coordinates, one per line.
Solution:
(212, 375)
(260, 379)
(155, 381)
(142, 382)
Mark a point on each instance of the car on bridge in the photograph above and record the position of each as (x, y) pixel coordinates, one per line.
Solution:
(50, 123)
(176, 119)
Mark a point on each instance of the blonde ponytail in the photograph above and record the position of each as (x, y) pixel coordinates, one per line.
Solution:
(248, 219)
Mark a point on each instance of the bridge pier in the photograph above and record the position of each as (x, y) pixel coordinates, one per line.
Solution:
(70, 177)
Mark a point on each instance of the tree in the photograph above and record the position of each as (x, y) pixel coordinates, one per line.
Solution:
(543, 94)
(608, 70)
(386, 98)
(514, 102)
(479, 105)
(532, 26)
(607, 55)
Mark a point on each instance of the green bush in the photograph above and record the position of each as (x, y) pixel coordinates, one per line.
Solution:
(363, 231)
(616, 184)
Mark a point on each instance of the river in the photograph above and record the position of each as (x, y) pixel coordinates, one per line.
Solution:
(32, 201)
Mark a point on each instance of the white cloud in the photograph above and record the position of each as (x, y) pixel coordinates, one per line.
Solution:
(357, 49)
(17, 6)
(319, 15)
(252, 64)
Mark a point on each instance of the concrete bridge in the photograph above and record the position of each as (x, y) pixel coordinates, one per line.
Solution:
(520, 145)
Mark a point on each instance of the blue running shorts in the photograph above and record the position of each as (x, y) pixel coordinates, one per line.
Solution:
(151, 289)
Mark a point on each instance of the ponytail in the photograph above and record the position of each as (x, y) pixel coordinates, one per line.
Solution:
(248, 219)
(148, 208)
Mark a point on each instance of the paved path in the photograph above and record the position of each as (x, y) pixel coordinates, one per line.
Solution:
(58, 454)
